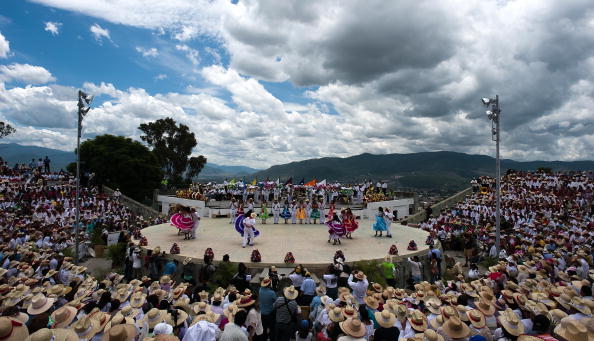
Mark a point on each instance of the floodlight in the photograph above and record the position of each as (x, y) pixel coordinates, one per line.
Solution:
(486, 101)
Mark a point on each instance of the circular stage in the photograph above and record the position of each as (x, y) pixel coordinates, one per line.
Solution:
(308, 243)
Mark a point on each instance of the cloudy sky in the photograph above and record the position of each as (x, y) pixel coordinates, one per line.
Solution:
(267, 82)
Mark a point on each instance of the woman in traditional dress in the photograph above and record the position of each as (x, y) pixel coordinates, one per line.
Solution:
(331, 209)
(301, 212)
(335, 229)
(350, 222)
(264, 212)
(315, 212)
(380, 223)
(286, 213)
(233, 210)
(239, 209)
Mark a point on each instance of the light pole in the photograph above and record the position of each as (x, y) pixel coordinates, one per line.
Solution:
(494, 115)
(84, 105)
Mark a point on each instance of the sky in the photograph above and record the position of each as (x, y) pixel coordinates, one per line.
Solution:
(269, 82)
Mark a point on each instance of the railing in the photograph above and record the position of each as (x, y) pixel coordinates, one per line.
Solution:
(446, 203)
(133, 205)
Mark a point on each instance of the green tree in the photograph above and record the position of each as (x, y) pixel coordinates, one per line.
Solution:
(121, 162)
(173, 145)
(6, 129)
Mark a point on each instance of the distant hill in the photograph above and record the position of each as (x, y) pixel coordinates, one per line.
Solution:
(16, 153)
(447, 171)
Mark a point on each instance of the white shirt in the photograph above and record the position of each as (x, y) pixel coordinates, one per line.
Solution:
(359, 288)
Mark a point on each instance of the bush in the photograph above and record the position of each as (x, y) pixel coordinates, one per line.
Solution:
(224, 274)
(371, 268)
(97, 236)
(117, 254)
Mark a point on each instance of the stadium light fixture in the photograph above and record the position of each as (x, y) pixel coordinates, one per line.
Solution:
(84, 105)
(494, 115)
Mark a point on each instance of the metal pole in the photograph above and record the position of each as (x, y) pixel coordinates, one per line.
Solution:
(498, 174)
(76, 229)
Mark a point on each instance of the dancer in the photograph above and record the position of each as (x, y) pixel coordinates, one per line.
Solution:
(276, 210)
(264, 212)
(315, 212)
(350, 222)
(250, 204)
(286, 214)
(294, 212)
(380, 223)
(301, 213)
(322, 210)
(249, 226)
(183, 221)
(331, 210)
(307, 211)
(388, 216)
(335, 230)
(195, 222)
(239, 212)
(233, 209)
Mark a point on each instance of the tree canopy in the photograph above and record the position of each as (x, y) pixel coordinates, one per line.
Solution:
(6, 129)
(121, 162)
(172, 144)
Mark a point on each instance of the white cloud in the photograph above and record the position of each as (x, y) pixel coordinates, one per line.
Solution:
(25, 73)
(53, 27)
(186, 33)
(99, 33)
(4, 47)
(192, 54)
(160, 76)
(150, 52)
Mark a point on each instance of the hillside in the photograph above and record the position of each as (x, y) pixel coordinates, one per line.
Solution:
(16, 153)
(429, 170)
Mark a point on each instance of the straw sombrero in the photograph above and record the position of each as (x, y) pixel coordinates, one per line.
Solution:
(418, 321)
(371, 302)
(120, 332)
(431, 335)
(290, 293)
(485, 307)
(385, 318)
(40, 304)
(56, 334)
(353, 327)
(154, 317)
(63, 316)
(266, 282)
(118, 319)
(476, 318)
(182, 316)
(571, 330)
(86, 328)
(12, 330)
(335, 315)
(246, 301)
(511, 323)
(455, 328)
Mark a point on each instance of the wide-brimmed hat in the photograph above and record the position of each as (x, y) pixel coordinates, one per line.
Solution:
(511, 323)
(200, 306)
(418, 321)
(165, 280)
(230, 311)
(485, 307)
(371, 302)
(579, 304)
(203, 295)
(360, 275)
(177, 292)
(385, 318)
(476, 318)
(266, 282)
(571, 330)
(63, 316)
(86, 328)
(349, 311)
(353, 327)
(290, 292)
(12, 330)
(56, 334)
(182, 316)
(335, 315)
(455, 328)
(137, 299)
(431, 335)
(40, 304)
(433, 305)
(121, 295)
(118, 319)
(120, 332)
(437, 322)
(556, 315)
(246, 301)
(154, 316)
(101, 317)
(564, 300)
(321, 290)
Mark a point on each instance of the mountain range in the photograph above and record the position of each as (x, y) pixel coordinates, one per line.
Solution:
(435, 171)
(16, 153)
(445, 171)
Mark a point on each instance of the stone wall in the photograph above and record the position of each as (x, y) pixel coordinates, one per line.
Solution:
(444, 204)
(133, 205)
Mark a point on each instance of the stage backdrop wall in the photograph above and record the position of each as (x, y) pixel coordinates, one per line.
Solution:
(400, 205)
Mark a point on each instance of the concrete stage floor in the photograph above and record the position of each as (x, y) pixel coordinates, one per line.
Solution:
(308, 243)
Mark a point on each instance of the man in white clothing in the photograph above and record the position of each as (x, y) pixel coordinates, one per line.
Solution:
(276, 209)
(249, 224)
(358, 282)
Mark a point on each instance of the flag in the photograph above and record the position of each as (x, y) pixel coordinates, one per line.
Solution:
(254, 182)
(322, 183)
(312, 183)
(278, 181)
(233, 181)
(301, 182)
(289, 182)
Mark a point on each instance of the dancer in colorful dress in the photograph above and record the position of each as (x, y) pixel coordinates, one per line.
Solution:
(331, 210)
(380, 223)
(239, 209)
(335, 229)
(315, 212)
(276, 210)
(350, 222)
(388, 216)
(307, 211)
(264, 212)
(286, 214)
(250, 204)
(301, 213)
